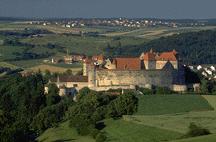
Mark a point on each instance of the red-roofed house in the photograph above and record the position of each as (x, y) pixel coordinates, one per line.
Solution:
(154, 60)
(166, 57)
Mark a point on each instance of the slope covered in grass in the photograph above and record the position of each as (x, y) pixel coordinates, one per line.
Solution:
(63, 133)
(168, 104)
(177, 122)
(211, 100)
(123, 131)
(208, 138)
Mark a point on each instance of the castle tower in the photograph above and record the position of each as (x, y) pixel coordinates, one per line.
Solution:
(92, 77)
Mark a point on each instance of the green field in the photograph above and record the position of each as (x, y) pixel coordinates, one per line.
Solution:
(8, 52)
(123, 131)
(63, 133)
(167, 104)
(177, 122)
(83, 45)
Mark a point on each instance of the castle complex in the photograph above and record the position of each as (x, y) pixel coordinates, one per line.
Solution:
(149, 70)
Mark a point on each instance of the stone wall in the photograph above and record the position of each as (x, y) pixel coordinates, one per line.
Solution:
(142, 78)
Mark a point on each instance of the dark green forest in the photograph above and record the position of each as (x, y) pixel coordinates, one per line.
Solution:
(193, 47)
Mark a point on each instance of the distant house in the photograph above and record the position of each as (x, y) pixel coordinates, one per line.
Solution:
(69, 59)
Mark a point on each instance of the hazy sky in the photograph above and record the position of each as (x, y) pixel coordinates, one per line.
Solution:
(109, 8)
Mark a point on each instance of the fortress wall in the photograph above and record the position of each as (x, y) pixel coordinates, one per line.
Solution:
(143, 78)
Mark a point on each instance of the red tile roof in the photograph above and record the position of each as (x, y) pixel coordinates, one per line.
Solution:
(164, 56)
(168, 56)
(128, 63)
(149, 56)
(98, 57)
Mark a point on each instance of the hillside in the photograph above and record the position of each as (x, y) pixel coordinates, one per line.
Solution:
(209, 138)
(63, 133)
(121, 131)
(193, 47)
(169, 122)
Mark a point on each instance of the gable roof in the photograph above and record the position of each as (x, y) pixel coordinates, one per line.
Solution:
(168, 56)
(128, 63)
(149, 56)
(98, 57)
(164, 56)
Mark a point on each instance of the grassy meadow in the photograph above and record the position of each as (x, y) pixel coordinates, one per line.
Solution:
(158, 119)
(63, 133)
(121, 131)
(208, 138)
(168, 104)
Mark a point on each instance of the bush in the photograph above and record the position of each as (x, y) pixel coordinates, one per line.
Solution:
(146, 91)
(163, 90)
(83, 92)
(195, 131)
(101, 137)
(124, 105)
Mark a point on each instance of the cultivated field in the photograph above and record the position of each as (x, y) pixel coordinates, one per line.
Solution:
(54, 69)
(157, 32)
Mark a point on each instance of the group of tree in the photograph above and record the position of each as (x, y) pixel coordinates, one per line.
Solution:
(26, 111)
(193, 47)
(92, 107)
(24, 108)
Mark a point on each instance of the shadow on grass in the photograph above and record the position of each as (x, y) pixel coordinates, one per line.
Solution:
(65, 140)
(100, 125)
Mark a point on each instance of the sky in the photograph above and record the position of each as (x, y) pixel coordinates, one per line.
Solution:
(172, 9)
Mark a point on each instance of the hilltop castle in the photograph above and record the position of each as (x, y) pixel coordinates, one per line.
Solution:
(149, 70)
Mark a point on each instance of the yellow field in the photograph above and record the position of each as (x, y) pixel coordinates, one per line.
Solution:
(53, 69)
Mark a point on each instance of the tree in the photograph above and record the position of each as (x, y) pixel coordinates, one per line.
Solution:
(84, 91)
(49, 117)
(53, 95)
(125, 104)
(204, 86)
(68, 72)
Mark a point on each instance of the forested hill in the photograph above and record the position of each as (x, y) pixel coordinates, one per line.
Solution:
(193, 47)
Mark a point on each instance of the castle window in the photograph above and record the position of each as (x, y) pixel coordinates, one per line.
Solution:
(75, 85)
